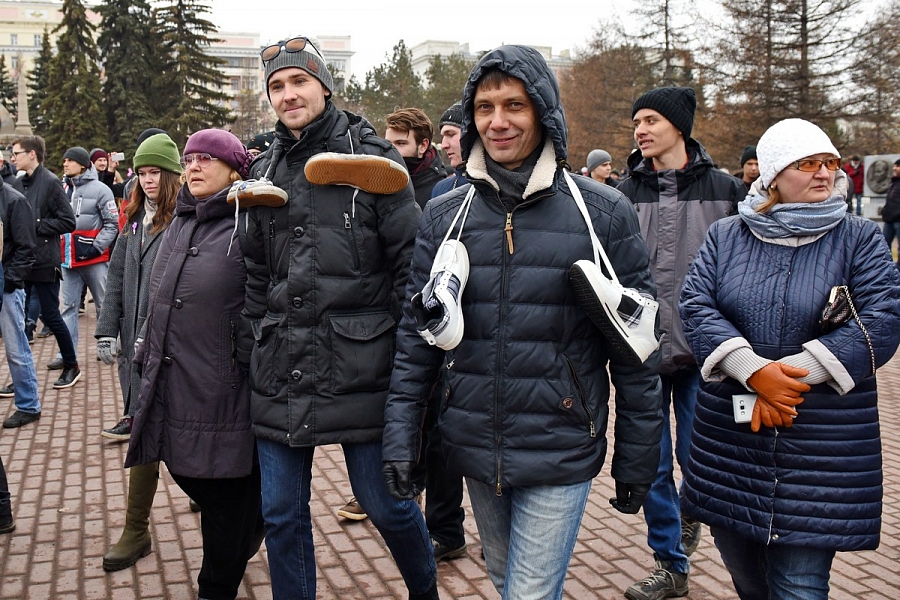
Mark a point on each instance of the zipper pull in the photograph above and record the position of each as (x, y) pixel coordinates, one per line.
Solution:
(508, 229)
(346, 221)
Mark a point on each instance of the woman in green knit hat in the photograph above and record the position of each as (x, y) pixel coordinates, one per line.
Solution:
(147, 215)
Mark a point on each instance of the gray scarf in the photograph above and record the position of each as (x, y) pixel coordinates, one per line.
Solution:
(793, 219)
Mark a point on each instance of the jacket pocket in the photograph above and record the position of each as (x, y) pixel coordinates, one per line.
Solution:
(362, 351)
(264, 359)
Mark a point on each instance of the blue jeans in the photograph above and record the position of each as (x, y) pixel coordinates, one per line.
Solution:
(761, 572)
(662, 507)
(18, 352)
(528, 535)
(858, 198)
(286, 481)
(74, 280)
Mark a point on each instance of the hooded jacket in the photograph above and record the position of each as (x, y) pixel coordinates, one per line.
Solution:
(526, 393)
(94, 207)
(325, 274)
(675, 208)
(53, 217)
(8, 173)
(193, 411)
(818, 483)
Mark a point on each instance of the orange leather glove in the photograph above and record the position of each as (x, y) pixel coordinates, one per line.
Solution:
(779, 392)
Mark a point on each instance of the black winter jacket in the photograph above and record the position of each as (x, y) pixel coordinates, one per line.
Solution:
(8, 173)
(429, 172)
(324, 278)
(54, 217)
(675, 209)
(527, 390)
(891, 211)
(18, 237)
(193, 411)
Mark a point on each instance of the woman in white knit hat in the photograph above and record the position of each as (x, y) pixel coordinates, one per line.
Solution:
(785, 459)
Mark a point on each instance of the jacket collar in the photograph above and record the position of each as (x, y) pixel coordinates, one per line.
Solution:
(543, 176)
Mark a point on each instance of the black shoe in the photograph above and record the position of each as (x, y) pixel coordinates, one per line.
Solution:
(121, 432)
(69, 377)
(29, 331)
(19, 418)
(8, 392)
(442, 552)
(690, 534)
(56, 364)
(195, 508)
(45, 332)
(663, 582)
(7, 526)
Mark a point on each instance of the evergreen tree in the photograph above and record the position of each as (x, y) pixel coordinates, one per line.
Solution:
(73, 99)
(7, 89)
(132, 54)
(389, 86)
(193, 99)
(446, 77)
(38, 80)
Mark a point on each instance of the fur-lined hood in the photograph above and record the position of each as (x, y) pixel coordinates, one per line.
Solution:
(527, 65)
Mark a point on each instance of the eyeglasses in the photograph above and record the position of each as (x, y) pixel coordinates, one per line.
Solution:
(14, 153)
(202, 159)
(296, 44)
(811, 165)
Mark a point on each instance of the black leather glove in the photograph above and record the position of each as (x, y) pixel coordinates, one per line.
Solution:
(629, 497)
(396, 475)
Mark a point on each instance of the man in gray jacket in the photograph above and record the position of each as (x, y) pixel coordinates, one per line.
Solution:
(87, 250)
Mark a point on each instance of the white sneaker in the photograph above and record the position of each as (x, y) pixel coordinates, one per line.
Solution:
(257, 192)
(438, 308)
(626, 318)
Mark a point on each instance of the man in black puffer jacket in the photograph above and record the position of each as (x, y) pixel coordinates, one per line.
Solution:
(324, 276)
(890, 214)
(526, 398)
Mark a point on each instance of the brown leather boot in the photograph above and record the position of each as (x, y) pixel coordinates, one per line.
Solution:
(135, 541)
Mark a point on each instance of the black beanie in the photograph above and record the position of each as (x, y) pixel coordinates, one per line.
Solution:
(147, 133)
(79, 155)
(452, 116)
(261, 141)
(677, 104)
(749, 154)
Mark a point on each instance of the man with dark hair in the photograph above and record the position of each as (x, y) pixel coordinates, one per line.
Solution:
(749, 166)
(17, 220)
(53, 217)
(324, 274)
(525, 393)
(450, 127)
(678, 193)
(410, 131)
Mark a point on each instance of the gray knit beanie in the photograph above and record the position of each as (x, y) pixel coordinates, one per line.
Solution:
(310, 62)
(596, 158)
(79, 155)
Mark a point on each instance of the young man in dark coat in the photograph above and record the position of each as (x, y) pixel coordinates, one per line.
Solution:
(525, 400)
(410, 131)
(678, 193)
(325, 273)
(53, 217)
(890, 214)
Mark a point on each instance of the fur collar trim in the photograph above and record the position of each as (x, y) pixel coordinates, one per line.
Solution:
(542, 176)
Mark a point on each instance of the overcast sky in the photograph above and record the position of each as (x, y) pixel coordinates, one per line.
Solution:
(375, 27)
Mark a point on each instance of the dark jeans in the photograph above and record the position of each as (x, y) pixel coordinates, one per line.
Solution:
(443, 502)
(5, 504)
(48, 297)
(232, 527)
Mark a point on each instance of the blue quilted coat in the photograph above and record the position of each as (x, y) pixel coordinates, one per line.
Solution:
(819, 483)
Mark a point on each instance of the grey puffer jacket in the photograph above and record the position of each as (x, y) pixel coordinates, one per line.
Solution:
(94, 207)
(325, 275)
(526, 398)
(818, 483)
(127, 295)
(675, 209)
(193, 411)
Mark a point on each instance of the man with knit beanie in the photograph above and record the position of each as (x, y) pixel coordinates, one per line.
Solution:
(749, 167)
(332, 264)
(87, 249)
(599, 166)
(450, 128)
(678, 193)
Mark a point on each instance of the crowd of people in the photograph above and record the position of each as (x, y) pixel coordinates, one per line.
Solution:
(326, 285)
